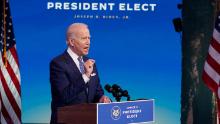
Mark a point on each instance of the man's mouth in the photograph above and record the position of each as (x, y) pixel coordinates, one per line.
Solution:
(86, 48)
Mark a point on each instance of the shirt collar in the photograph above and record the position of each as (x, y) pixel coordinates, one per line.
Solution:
(72, 54)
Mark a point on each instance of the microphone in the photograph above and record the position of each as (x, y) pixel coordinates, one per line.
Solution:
(116, 88)
(117, 92)
(112, 89)
(108, 88)
(125, 93)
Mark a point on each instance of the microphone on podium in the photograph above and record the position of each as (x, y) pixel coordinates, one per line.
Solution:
(117, 92)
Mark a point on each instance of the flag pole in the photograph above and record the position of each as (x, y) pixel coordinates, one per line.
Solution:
(4, 43)
(217, 110)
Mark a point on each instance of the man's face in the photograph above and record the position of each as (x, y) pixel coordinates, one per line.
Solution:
(81, 41)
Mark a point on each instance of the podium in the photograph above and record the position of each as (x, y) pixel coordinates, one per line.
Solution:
(108, 113)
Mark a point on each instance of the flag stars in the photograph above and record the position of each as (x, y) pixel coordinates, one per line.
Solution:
(9, 31)
(13, 39)
(10, 23)
(7, 44)
(8, 38)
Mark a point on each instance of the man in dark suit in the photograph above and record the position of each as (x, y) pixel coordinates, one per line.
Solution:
(73, 76)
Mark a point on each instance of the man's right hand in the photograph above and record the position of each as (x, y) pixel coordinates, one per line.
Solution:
(89, 67)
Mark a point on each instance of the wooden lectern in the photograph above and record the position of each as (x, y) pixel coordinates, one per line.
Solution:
(77, 114)
(141, 111)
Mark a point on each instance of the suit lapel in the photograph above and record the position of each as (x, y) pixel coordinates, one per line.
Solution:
(72, 69)
(71, 65)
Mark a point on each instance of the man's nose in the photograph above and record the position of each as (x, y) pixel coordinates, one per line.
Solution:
(88, 41)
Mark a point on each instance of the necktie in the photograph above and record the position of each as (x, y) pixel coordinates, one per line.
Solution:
(82, 69)
(81, 65)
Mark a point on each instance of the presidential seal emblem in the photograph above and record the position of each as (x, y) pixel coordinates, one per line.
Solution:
(115, 113)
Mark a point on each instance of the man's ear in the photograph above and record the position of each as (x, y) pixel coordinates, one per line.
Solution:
(70, 42)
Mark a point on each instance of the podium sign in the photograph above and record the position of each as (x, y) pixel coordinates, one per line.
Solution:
(107, 113)
(125, 112)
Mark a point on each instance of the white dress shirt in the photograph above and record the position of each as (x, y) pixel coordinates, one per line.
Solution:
(75, 57)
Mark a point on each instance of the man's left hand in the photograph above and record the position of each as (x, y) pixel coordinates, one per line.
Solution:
(104, 99)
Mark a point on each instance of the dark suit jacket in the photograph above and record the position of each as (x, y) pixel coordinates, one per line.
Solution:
(68, 86)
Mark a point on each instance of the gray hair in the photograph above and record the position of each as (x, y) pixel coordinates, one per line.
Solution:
(72, 29)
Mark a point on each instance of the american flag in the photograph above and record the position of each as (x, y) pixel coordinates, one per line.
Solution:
(211, 73)
(10, 90)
